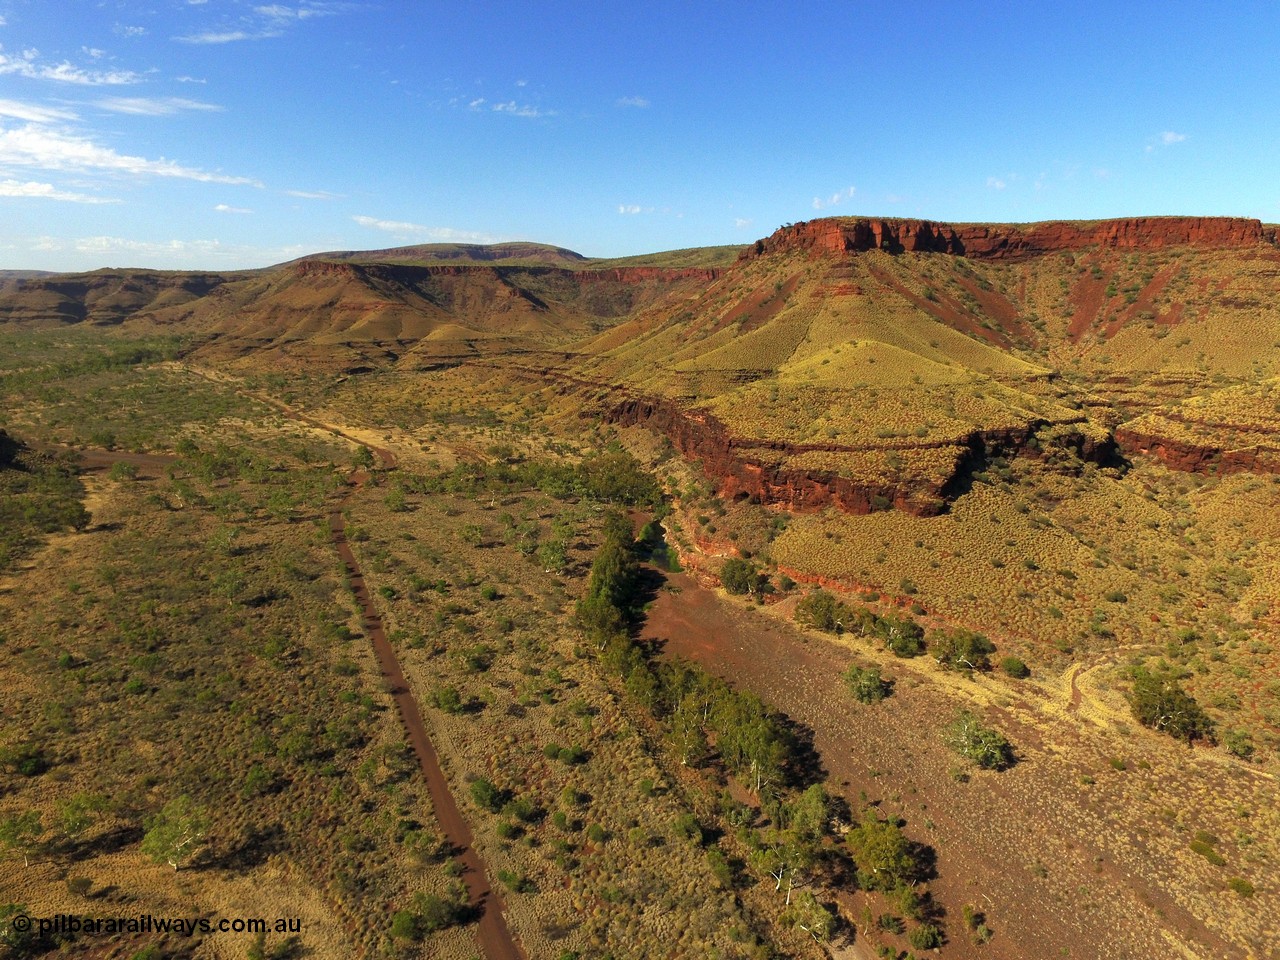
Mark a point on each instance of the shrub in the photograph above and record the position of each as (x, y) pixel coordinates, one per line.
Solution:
(984, 746)
(866, 684)
(739, 576)
(822, 611)
(485, 795)
(962, 649)
(903, 637)
(1238, 743)
(1205, 849)
(882, 854)
(447, 699)
(1241, 886)
(1014, 667)
(516, 882)
(1159, 702)
(686, 826)
(927, 936)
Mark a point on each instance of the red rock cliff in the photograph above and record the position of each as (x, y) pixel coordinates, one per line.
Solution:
(699, 436)
(1010, 241)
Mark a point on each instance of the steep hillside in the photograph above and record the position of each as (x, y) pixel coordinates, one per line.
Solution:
(353, 316)
(101, 297)
(866, 363)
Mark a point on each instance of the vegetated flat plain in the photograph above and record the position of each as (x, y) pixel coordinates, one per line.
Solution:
(1028, 499)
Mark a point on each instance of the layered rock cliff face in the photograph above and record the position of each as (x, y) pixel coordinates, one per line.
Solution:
(1191, 457)
(1012, 241)
(729, 461)
(102, 297)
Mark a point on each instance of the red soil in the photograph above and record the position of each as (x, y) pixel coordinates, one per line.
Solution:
(991, 835)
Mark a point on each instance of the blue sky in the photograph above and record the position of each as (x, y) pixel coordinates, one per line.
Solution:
(221, 134)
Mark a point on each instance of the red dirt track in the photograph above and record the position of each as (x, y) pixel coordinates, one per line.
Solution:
(493, 934)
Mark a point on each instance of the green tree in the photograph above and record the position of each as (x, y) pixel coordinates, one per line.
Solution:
(866, 684)
(79, 812)
(902, 635)
(486, 795)
(686, 730)
(981, 744)
(807, 913)
(740, 576)
(553, 556)
(176, 832)
(962, 650)
(21, 940)
(883, 856)
(1158, 701)
(822, 611)
(21, 832)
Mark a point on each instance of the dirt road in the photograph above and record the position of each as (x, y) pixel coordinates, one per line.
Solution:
(493, 934)
(495, 938)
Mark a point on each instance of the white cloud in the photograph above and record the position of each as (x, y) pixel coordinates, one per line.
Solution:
(178, 254)
(28, 66)
(837, 198)
(390, 226)
(33, 113)
(742, 223)
(313, 194)
(521, 110)
(639, 102)
(224, 208)
(1166, 138)
(628, 208)
(186, 79)
(417, 231)
(266, 22)
(995, 183)
(278, 11)
(224, 36)
(48, 149)
(130, 31)
(47, 191)
(477, 103)
(154, 106)
(93, 52)
(522, 83)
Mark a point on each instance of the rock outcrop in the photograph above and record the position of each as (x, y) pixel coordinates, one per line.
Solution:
(729, 461)
(983, 241)
(1191, 457)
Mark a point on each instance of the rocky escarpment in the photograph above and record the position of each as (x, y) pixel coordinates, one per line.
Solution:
(729, 460)
(1203, 457)
(103, 296)
(983, 241)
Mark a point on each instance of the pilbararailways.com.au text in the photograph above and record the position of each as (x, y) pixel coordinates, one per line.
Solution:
(66, 923)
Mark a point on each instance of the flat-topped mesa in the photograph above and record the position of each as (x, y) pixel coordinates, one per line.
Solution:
(1000, 241)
